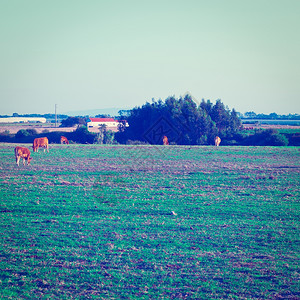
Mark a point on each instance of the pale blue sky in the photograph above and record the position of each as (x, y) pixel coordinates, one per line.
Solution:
(100, 54)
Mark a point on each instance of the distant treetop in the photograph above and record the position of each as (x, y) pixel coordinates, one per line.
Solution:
(271, 116)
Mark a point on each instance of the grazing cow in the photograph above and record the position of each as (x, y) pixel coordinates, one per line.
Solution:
(40, 142)
(217, 141)
(64, 140)
(22, 152)
(165, 140)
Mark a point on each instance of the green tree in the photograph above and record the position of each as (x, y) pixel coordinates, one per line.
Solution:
(102, 116)
(72, 121)
(24, 133)
(109, 137)
(206, 106)
(220, 116)
(100, 135)
(82, 135)
(104, 136)
(250, 114)
(235, 123)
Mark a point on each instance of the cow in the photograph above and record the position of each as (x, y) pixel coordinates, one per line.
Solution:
(22, 152)
(165, 140)
(64, 140)
(40, 142)
(217, 141)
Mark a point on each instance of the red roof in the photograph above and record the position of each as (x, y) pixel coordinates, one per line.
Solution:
(103, 120)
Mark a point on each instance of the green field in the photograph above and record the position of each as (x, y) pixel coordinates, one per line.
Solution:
(150, 222)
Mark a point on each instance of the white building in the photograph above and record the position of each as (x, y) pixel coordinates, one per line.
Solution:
(111, 124)
(22, 120)
(96, 122)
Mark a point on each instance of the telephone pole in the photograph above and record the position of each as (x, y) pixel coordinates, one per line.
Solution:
(55, 115)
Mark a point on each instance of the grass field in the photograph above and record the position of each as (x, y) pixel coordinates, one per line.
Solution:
(150, 222)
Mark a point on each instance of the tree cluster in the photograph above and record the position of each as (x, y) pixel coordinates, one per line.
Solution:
(72, 121)
(47, 116)
(271, 116)
(181, 120)
(104, 136)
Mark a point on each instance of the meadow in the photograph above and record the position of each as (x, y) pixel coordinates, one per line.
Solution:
(150, 222)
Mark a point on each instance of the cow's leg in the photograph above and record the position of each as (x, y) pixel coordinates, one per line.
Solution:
(17, 160)
(23, 161)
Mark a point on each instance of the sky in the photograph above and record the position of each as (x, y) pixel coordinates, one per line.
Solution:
(95, 54)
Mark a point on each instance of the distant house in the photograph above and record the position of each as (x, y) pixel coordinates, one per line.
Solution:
(111, 124)
(22, 120)
(96, 122)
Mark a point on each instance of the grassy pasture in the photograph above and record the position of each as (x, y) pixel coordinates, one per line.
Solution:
(150, 222)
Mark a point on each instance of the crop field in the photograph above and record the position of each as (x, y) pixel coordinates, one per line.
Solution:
(150, 222)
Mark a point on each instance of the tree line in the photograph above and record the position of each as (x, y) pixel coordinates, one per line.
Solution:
(182, 120)
(46, 116)
(271, 116)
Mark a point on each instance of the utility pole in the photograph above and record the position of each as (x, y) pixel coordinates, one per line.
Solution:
(55, 116)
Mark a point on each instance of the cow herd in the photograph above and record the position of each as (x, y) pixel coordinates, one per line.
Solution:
(24, 153)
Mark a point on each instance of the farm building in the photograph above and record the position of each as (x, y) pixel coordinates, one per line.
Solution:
(95, 123)
(22, 120)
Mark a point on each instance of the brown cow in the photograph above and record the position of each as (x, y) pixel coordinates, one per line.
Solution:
(22, 152)
(165, 140)
(40, 142)
(64, 140)
(217, 141)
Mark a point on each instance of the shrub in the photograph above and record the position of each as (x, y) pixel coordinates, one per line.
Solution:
(5, 136)
(71, 121)
(21, 134)
(25, 135)
(104, 136)
(202, 140)
(109, 137)
(277, 140)
(269, 137)
(32, 131)
(82, 135)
